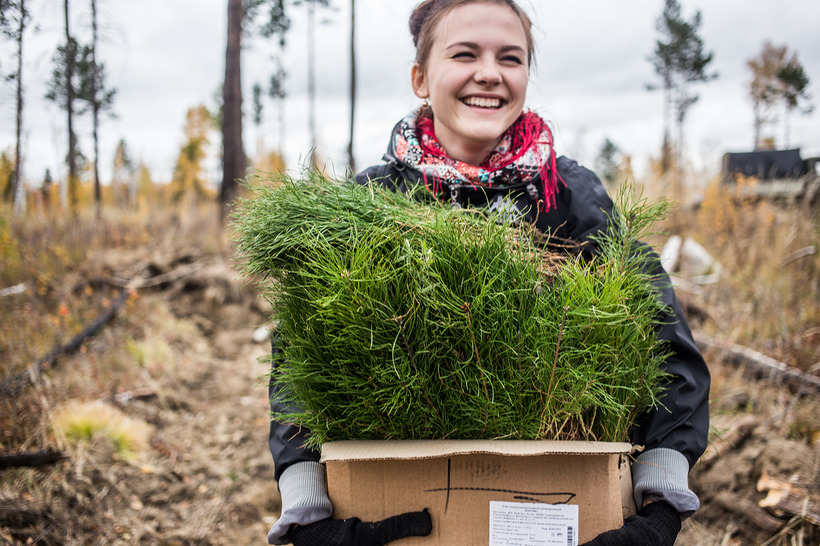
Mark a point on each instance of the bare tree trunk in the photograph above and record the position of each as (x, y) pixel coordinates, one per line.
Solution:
(233, 154)
(666, 150)
(350, 159)
(95, 109)
(281, 109)
(311, 84)
(18, 193)
(73, 182)
(757, 124)
(786, 126)
(679, 189)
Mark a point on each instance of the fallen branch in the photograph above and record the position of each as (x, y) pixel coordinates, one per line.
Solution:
(16, 289)
(13, 385)
(760, 366)
(19, 518)
(31, 459)
(802, 253)
(729, 441)
(136, 394)
(749, 510)
(163, 278)
(788, 498)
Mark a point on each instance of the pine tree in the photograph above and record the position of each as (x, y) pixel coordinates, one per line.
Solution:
(78, 85)
(310, 7)
(123, 176)
(94, 91)
(63, 89)
(763, 87)
(606, 165)
(234, 160)
(277, 93)
(258, 116)
(274, 25)
(14, 18)
(679, 60)
(233, 152)
(45, 189)
(794, 83)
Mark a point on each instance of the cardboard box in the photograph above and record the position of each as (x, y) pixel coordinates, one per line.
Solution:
(513, 491)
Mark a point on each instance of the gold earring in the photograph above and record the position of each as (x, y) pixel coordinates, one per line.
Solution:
(424, 103)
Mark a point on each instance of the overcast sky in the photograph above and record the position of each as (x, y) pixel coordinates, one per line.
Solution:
(165, 56)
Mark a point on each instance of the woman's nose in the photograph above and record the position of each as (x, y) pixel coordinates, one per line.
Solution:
(487, 72)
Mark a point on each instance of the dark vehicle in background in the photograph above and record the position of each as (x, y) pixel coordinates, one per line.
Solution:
(773, 174)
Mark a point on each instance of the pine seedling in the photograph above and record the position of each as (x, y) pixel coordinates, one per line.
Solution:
(404, 318)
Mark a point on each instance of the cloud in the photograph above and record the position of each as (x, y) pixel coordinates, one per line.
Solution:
(165, 57)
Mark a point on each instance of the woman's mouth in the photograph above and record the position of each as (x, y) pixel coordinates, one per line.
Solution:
(483, 102)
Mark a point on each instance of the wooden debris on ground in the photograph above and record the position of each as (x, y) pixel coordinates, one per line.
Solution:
(760, 366)
(748, 510)
(30, 459)
(789, 498)
(730, 440)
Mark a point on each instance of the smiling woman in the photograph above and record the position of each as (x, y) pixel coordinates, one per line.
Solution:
(475, 77)
(472, 144)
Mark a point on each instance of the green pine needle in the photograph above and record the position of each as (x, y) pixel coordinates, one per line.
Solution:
(408, 319)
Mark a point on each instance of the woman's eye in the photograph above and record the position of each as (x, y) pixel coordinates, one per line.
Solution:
(463, 55)
(512, 59)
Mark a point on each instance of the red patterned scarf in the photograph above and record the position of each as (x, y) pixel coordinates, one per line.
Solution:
(524, 153)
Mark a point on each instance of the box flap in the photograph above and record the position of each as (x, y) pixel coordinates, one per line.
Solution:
(425, 449)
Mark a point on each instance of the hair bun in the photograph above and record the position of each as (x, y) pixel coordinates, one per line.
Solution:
(418, 17)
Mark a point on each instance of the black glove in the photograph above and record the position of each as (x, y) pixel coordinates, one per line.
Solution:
(355, 532)
(657, 524)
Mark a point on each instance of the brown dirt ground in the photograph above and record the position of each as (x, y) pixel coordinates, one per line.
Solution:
(207, 476)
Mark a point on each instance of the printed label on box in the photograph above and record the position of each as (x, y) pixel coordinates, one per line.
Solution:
(531, 524)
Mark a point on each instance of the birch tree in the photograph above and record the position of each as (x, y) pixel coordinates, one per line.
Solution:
(778, 79)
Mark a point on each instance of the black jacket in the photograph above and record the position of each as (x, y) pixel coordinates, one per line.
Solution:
(581, 209)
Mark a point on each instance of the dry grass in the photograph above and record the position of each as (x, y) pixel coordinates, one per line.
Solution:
(76, 423)
(768, 299)
(72, 270)
(66, 268)
(769, 296)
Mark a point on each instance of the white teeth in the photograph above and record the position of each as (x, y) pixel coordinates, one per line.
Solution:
(483, 102)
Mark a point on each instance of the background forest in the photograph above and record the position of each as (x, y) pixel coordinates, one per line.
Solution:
(132, 406)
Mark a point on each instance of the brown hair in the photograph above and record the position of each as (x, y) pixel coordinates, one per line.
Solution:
(429, 13)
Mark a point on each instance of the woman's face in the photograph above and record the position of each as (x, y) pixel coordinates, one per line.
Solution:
(476, 78)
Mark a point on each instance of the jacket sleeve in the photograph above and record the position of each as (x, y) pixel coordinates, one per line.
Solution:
(681, 423)
(393, 175)
(286, 442)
